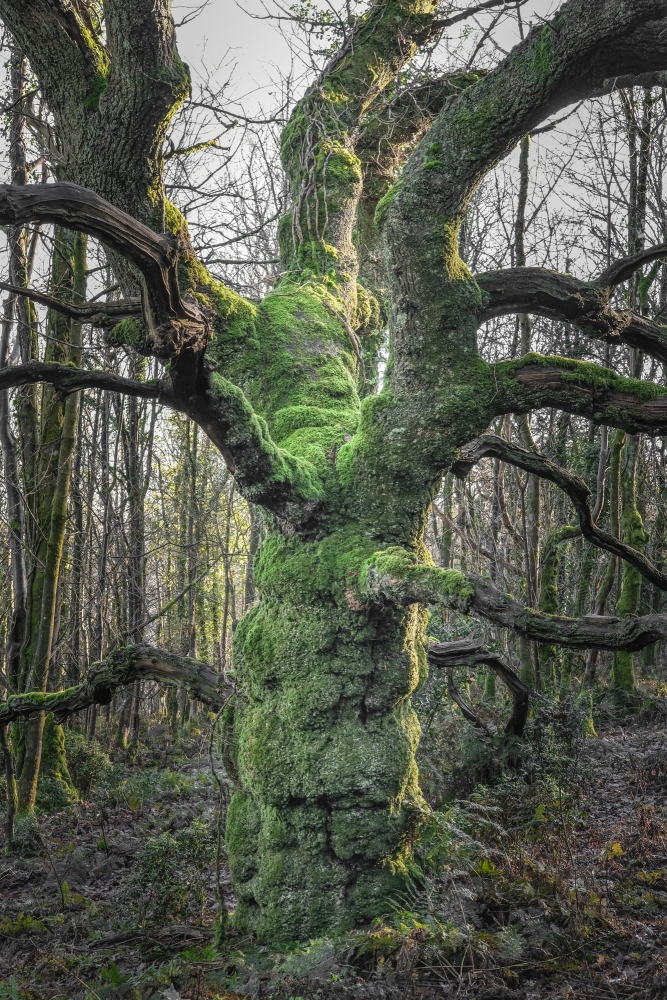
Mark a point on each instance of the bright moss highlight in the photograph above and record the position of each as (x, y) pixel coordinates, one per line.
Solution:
(541, 53)
(585, 373)
(433, 159)
(100, 84)
(131, 333)
(385, 201)
(396, 572)
(298, 367)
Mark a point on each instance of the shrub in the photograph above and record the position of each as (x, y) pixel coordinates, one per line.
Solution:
(88, 764)
(170, 881)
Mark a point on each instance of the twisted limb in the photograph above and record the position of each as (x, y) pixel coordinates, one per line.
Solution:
(122, 667)
(395, 576)
(573, 485)
(472, 653)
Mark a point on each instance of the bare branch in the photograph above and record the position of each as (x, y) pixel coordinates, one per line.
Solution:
(582, 45)
(623, 269)
(70, 379)
(563, 297)
(121, 668)
(172, 323)
(101, 313)
(573, 485)
(473, 546)
(470, 654)
(477, 9)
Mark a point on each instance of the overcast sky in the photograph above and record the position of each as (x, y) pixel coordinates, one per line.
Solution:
(224, 33)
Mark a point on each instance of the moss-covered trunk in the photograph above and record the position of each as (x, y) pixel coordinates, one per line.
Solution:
(319, 828)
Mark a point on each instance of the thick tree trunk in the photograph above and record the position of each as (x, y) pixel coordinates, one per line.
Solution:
(324, 741)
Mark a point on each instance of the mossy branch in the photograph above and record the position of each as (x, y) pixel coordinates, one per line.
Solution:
(568, 58)
(573, 485)
(62, 44)
(318, 143)
(395, 576)
(121, 668)
(266, 474)
(591, 632)
(580, 387)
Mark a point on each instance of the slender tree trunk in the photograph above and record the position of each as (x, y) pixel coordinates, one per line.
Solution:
(53, 508)
(228, 583)
(15, 514)
(607, 582)
(623, 674)
(447, 532)
(12, 798)
(75, 623)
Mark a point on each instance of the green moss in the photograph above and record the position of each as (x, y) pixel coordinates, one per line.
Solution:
(315, 571)
(433, 159)
(385, 201)
(634, 534)
(131, 333)
(326, 741)
(400, 573)
(339, 167)
(585, 704)
(293, 418)
(541, 54)
(174, 220)
(252, 437)
(549, 571)
(585, 373)
(55, 788)
(478, 122)
(367, 313)
(298, 367)
(100, 85)
(39, 698)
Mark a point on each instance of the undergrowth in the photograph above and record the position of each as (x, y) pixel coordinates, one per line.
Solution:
(518, 881)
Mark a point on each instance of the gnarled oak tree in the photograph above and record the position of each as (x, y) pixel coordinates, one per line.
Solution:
(321, 734)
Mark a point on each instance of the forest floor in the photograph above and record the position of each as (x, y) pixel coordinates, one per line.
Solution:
(543, 889)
